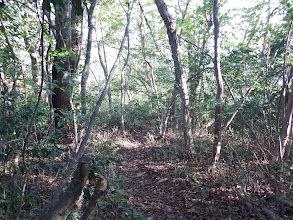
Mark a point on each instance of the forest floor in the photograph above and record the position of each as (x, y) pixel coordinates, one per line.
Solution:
(154, 178)
(160, 180)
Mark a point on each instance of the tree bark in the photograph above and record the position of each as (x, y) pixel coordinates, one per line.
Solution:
(64, 65)
(106, 74)
(219, 79)
(180, 76)
(164, 121)
(86, 68)
(286, 128)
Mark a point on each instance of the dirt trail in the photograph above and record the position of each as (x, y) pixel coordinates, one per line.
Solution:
(154, 176)
(168, 184)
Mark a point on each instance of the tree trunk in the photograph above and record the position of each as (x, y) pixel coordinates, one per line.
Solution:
(148, 67)
(286, 128)
(34, 64)
(287, 109)
(106, 74)
(122, 85)
(164, 121)
(101, 186)
(86, 68)
(64, 65)
(219, 79)
(181, 78)
(122, 101)
(195, 66)
(61, 209)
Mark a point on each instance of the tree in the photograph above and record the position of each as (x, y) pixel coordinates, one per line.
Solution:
(181, 79)
(286, 130)
(65, 61)
(86, 68)
(56, 196)
(219, 78)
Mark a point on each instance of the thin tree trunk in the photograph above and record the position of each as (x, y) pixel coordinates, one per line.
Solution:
(148, 66)
(163, 124)
(192, 66)
(86, 68)
(26, 140)
(250, 128)
(146, 20)
(288, 109)
(109, 93)
(106, 74)
(219, 79)
(49, 87)
(122, 100)
(181, 78)
(123, 86)
(266, 52)
(34, 65)
(286, 128)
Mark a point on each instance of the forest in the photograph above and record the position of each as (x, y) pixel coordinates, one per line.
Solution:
(142, 109)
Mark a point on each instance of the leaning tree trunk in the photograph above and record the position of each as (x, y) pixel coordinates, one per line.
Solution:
(106, 74)
(181, 79)
(100, 187)
(219, 78)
